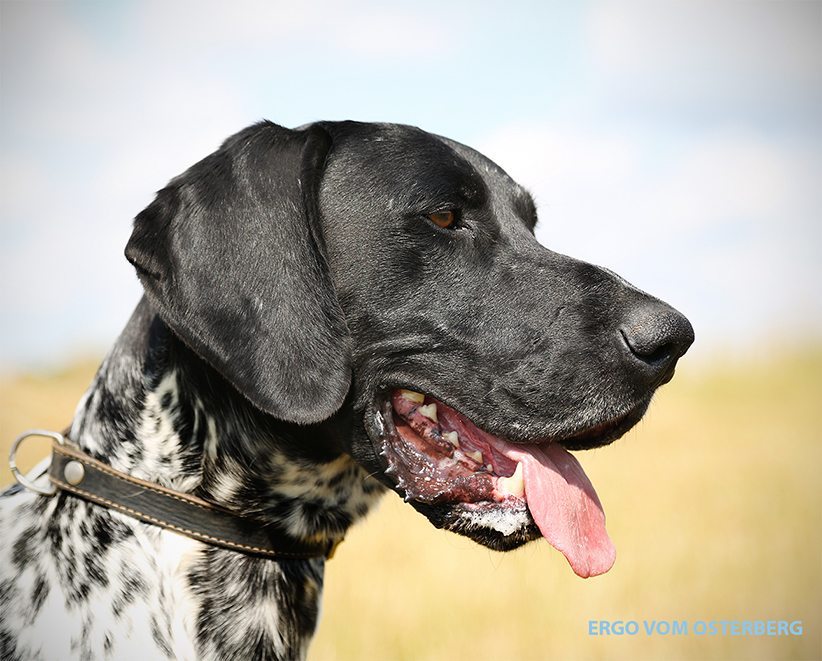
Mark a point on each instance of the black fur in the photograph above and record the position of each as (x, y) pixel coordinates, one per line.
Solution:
(293, 279)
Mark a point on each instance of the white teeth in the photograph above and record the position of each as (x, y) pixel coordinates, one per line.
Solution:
(476, 455)
(452, 437)
(513, 485)
(429, 411)
(489, 468)
(412, 396)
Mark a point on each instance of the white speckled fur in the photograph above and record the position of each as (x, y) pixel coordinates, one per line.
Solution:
(78, 581)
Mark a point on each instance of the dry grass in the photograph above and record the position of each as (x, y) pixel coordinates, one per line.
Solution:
(44, 400)
(713, 503)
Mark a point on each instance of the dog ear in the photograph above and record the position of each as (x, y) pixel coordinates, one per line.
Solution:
(230, 255)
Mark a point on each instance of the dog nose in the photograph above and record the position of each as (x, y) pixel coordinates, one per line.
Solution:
(656, 336)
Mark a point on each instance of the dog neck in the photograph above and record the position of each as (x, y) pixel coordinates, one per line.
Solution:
(157, 412)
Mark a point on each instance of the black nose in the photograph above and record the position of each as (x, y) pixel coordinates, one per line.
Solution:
(655, 336)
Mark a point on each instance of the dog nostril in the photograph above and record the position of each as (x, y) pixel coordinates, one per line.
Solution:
(647, 352)
(656, 336)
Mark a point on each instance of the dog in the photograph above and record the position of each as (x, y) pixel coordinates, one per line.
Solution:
(330, 312)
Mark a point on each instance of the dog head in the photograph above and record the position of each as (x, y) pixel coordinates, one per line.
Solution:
(395, 274)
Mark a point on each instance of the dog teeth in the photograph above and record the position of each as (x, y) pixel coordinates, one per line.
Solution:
(513, 485)
(452, 437)
(429, 411)
(476, 455)
(412, 396)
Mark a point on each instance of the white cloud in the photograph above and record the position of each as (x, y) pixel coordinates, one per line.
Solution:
(725, 177)
(276, 25)
(678, 51)
(89, 133)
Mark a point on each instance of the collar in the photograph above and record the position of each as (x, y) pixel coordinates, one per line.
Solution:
(74, 472)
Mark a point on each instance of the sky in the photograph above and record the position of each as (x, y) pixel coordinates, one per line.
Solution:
(677, 143)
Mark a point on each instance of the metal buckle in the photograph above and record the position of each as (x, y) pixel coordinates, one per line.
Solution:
(22, 479)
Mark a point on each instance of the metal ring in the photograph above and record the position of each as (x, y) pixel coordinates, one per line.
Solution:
(22, 479)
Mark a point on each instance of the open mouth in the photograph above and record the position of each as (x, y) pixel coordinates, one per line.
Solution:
(442, 462)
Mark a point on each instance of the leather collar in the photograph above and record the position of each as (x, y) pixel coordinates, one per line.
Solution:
(74, 472)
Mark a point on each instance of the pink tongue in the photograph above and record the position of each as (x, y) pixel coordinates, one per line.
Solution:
(566, 508)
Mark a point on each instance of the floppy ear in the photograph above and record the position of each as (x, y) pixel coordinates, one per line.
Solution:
(229, 254)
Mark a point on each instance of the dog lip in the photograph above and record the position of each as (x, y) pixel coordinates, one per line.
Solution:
(590, 437)
(384, 394)
(603, 433)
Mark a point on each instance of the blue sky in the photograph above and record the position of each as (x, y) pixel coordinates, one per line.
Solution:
(679, 144)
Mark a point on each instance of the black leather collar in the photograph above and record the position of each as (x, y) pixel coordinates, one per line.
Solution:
(74, 472)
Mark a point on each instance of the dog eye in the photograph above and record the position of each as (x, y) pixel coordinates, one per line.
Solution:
(443, 219)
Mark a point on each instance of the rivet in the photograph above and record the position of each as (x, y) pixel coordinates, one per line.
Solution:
(74, 472)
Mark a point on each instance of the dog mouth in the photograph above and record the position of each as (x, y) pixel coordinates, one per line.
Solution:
(499, 493)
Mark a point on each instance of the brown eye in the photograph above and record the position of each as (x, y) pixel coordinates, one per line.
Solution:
(443, 219)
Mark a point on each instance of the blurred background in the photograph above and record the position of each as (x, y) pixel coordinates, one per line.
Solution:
(677, 143)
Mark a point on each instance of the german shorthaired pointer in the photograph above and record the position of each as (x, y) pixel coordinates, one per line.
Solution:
(329, 311)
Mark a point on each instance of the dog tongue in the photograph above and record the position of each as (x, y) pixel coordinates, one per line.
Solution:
(566, 508)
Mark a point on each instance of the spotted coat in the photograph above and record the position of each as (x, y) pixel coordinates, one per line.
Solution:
(78, 581)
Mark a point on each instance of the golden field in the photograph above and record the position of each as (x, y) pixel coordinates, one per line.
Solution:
(713, 503)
